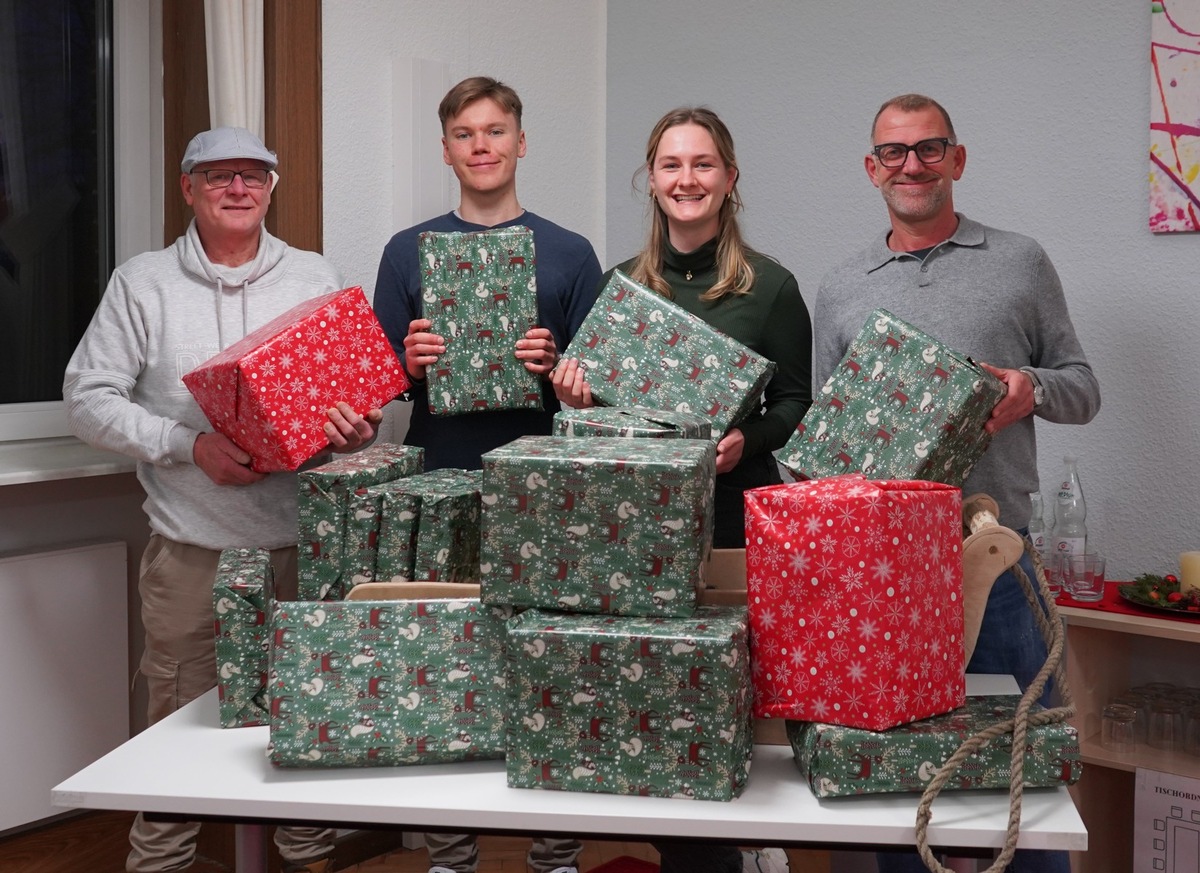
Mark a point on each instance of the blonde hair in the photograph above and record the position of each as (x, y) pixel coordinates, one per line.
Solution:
(735, 275)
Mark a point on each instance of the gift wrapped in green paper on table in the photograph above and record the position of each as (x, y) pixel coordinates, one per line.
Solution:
(241, 595)
(839, 761)
(325, 563)
(652, 706)
(416, 678)
(607, 524)
(632, 421)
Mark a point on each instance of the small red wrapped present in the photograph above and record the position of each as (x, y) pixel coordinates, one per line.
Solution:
(855, 600)
(270, 391)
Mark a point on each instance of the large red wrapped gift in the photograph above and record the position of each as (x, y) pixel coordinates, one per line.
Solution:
(270, 391)
(855, 599)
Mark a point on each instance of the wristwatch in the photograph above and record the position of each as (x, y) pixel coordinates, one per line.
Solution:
(1039, 393)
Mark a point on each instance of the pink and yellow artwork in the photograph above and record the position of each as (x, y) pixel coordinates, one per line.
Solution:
(1174, 115)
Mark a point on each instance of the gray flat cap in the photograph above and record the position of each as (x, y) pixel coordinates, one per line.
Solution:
(226, 144)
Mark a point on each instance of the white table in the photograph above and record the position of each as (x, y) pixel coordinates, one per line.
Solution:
(186, 765)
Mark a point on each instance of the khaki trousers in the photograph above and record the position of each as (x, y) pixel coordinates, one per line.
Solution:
(179, 665)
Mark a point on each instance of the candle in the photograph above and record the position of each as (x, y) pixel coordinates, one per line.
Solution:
(1189, 572)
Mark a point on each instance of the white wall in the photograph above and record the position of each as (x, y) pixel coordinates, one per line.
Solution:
(1052, 103)
(552, 53)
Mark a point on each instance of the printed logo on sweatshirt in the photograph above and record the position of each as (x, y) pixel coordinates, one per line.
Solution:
(189, 356)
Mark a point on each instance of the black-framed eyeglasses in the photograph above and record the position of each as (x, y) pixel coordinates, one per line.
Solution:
(929, 151)
(224, 178)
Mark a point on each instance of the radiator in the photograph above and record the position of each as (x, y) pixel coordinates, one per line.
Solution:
(64, 683)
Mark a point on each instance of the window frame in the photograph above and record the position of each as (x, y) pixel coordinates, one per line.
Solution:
(135, 44)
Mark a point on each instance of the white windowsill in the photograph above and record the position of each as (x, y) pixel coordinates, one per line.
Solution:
(45, 460)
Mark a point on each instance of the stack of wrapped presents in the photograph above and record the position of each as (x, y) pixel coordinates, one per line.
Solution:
(547, 609)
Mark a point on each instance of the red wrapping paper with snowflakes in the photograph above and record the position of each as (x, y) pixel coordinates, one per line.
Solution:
(270, 391)
(854, 590)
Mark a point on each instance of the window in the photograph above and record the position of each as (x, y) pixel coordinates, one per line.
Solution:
(56, 208)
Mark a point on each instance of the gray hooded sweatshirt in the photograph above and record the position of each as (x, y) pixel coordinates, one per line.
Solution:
(163, 314)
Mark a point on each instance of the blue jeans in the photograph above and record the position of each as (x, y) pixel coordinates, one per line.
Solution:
(1009, 642)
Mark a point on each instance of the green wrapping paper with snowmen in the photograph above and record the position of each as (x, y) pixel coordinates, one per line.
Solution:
(637, 348)
(608, 524)
(650, 706)
(384, 682)
(326, 563)
(900, 405)
(480, 291)
(241, 593)
(840, 761)
(633, 421)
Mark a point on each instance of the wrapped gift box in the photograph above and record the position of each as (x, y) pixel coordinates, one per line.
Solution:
(480, 291)
(448, 529)
(327, 561)
(418, 680)
(839, 761)
(400, 513)
(608, 524)
(637, 348)
(657, 707)
(241, 591)
(634, 421)
(901, 405)
(270, 391)
(855, 597)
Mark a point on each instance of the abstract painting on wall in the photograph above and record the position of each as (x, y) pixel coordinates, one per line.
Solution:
(1174, 115)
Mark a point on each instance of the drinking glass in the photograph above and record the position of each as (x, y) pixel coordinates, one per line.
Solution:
(1087, 577)
(1166, 725)
(1117, 728)
(1191, 732)
(1053, 567)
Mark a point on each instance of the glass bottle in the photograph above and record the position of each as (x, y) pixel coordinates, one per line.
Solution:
(1037, 525)
(1070, 513)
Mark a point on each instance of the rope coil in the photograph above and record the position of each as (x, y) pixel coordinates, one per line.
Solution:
(1051, 628)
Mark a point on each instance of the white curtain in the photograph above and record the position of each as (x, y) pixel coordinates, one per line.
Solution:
(234, 35)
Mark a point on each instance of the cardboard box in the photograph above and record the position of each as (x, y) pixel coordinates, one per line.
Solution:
(633, 421)
(327, 562)
(381, 681)
(657, 707)
(840, 761)
(612, 525)
(637, 348)
(901, 405)
(241, 593)
(855, 600)
(480, 291)
(270, 391)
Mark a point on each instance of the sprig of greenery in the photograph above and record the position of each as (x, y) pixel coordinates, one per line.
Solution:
(1162, 592)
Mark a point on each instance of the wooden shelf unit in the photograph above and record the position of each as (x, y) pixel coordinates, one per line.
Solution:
(1108, 653)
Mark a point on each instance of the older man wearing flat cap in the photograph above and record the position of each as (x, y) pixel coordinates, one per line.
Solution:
(162, 314)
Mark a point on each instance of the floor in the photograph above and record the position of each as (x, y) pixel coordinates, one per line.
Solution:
(96, 843)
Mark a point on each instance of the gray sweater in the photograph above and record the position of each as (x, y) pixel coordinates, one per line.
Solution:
(163, 314)
(990, 294)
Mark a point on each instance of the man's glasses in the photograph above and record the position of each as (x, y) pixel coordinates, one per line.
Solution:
(224, 178)
(894, 154)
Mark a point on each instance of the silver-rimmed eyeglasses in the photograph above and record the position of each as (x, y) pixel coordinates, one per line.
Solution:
(224, 178)
(929, 151)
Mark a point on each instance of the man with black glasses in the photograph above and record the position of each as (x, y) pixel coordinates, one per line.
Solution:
(162, 314)
(993, 295)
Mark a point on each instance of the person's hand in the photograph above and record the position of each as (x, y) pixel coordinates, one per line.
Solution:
(421, 348)
(570, 387)
(222, 461)
(1016, 403)
(347, 431)
(536, 350)
(729, 450)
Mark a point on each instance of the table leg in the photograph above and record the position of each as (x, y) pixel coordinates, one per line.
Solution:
(250, 848)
